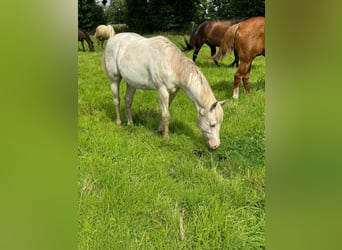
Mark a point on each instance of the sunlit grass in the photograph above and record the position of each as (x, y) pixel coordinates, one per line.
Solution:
(134, 186)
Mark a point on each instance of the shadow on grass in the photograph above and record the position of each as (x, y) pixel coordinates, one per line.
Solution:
(224, 89)
(150, 118)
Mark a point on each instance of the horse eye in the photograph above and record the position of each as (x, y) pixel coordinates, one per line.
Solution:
(212, 125)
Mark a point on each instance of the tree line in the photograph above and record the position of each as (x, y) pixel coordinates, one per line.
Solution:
(146, 16)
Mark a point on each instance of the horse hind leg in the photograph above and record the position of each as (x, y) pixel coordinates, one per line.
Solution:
(213, 52)
(115, 87)
(130, 91)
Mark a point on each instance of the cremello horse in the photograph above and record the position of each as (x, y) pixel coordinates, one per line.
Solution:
(104, 32)
(157, 64)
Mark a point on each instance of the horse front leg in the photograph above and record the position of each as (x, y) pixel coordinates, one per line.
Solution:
(115, 86)
(83, 46)
(164, 96)
(130, 91)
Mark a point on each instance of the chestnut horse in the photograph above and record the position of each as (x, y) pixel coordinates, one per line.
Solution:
(82, 35)
(248, 39)
(157, 64)
(211, 33)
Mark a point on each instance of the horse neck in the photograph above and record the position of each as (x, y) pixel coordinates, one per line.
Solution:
(199, 91)
(86, 36)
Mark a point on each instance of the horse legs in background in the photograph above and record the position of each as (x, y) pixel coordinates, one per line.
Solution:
(198, 46)
(236, 60)
(101, 41)
(115, 86)
(242, 74)
(130, 91)
(194, 55)
(82, 45)
(213, 52)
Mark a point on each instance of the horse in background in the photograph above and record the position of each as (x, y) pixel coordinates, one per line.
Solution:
(211, 33)
(83, 35)
(247, 38)
(104, 32)
(160, 66)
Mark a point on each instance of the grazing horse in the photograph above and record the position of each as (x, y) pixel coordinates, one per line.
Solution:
(82, 35)
(157, 64)
(248, 39)
(211, 33)
(104, 32)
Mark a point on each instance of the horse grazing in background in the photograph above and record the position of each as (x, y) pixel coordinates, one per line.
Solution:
(248, 39)
(82, 35)
(157, 64)
(211, 33)
(104, 32)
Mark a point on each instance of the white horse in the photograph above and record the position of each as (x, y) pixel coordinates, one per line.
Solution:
(157, 64)
(104, 32)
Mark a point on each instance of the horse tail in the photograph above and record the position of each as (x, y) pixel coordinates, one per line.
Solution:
(190, 45)
(227, 43)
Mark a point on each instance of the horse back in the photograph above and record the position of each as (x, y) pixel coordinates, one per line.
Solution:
(213, 31)
(145, 63)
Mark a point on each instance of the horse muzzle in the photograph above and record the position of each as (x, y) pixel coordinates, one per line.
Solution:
(213, 144)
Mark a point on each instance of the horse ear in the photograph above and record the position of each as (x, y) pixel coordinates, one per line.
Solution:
(213, 106)
(222, 102)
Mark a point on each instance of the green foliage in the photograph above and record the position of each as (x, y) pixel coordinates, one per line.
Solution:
(164, 15)
(160, 15)
(116, 12)
(139, 191)
(225, 9)
(89, 14)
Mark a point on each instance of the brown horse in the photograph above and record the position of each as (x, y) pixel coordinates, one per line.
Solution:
(82, 35)
(211, 33)
(248, 39)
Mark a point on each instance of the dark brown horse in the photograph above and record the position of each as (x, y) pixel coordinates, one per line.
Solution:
(211, 33)
(82, 35)
(248, 39)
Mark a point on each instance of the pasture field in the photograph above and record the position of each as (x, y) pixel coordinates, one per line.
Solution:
(140, 191)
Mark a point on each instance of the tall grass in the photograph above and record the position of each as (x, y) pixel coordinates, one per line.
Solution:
(140, 191)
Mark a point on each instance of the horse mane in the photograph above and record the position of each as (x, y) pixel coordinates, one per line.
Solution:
(227, 43)
(189, 74)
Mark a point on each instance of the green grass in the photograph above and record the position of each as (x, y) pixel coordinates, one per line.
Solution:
(140, 191)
